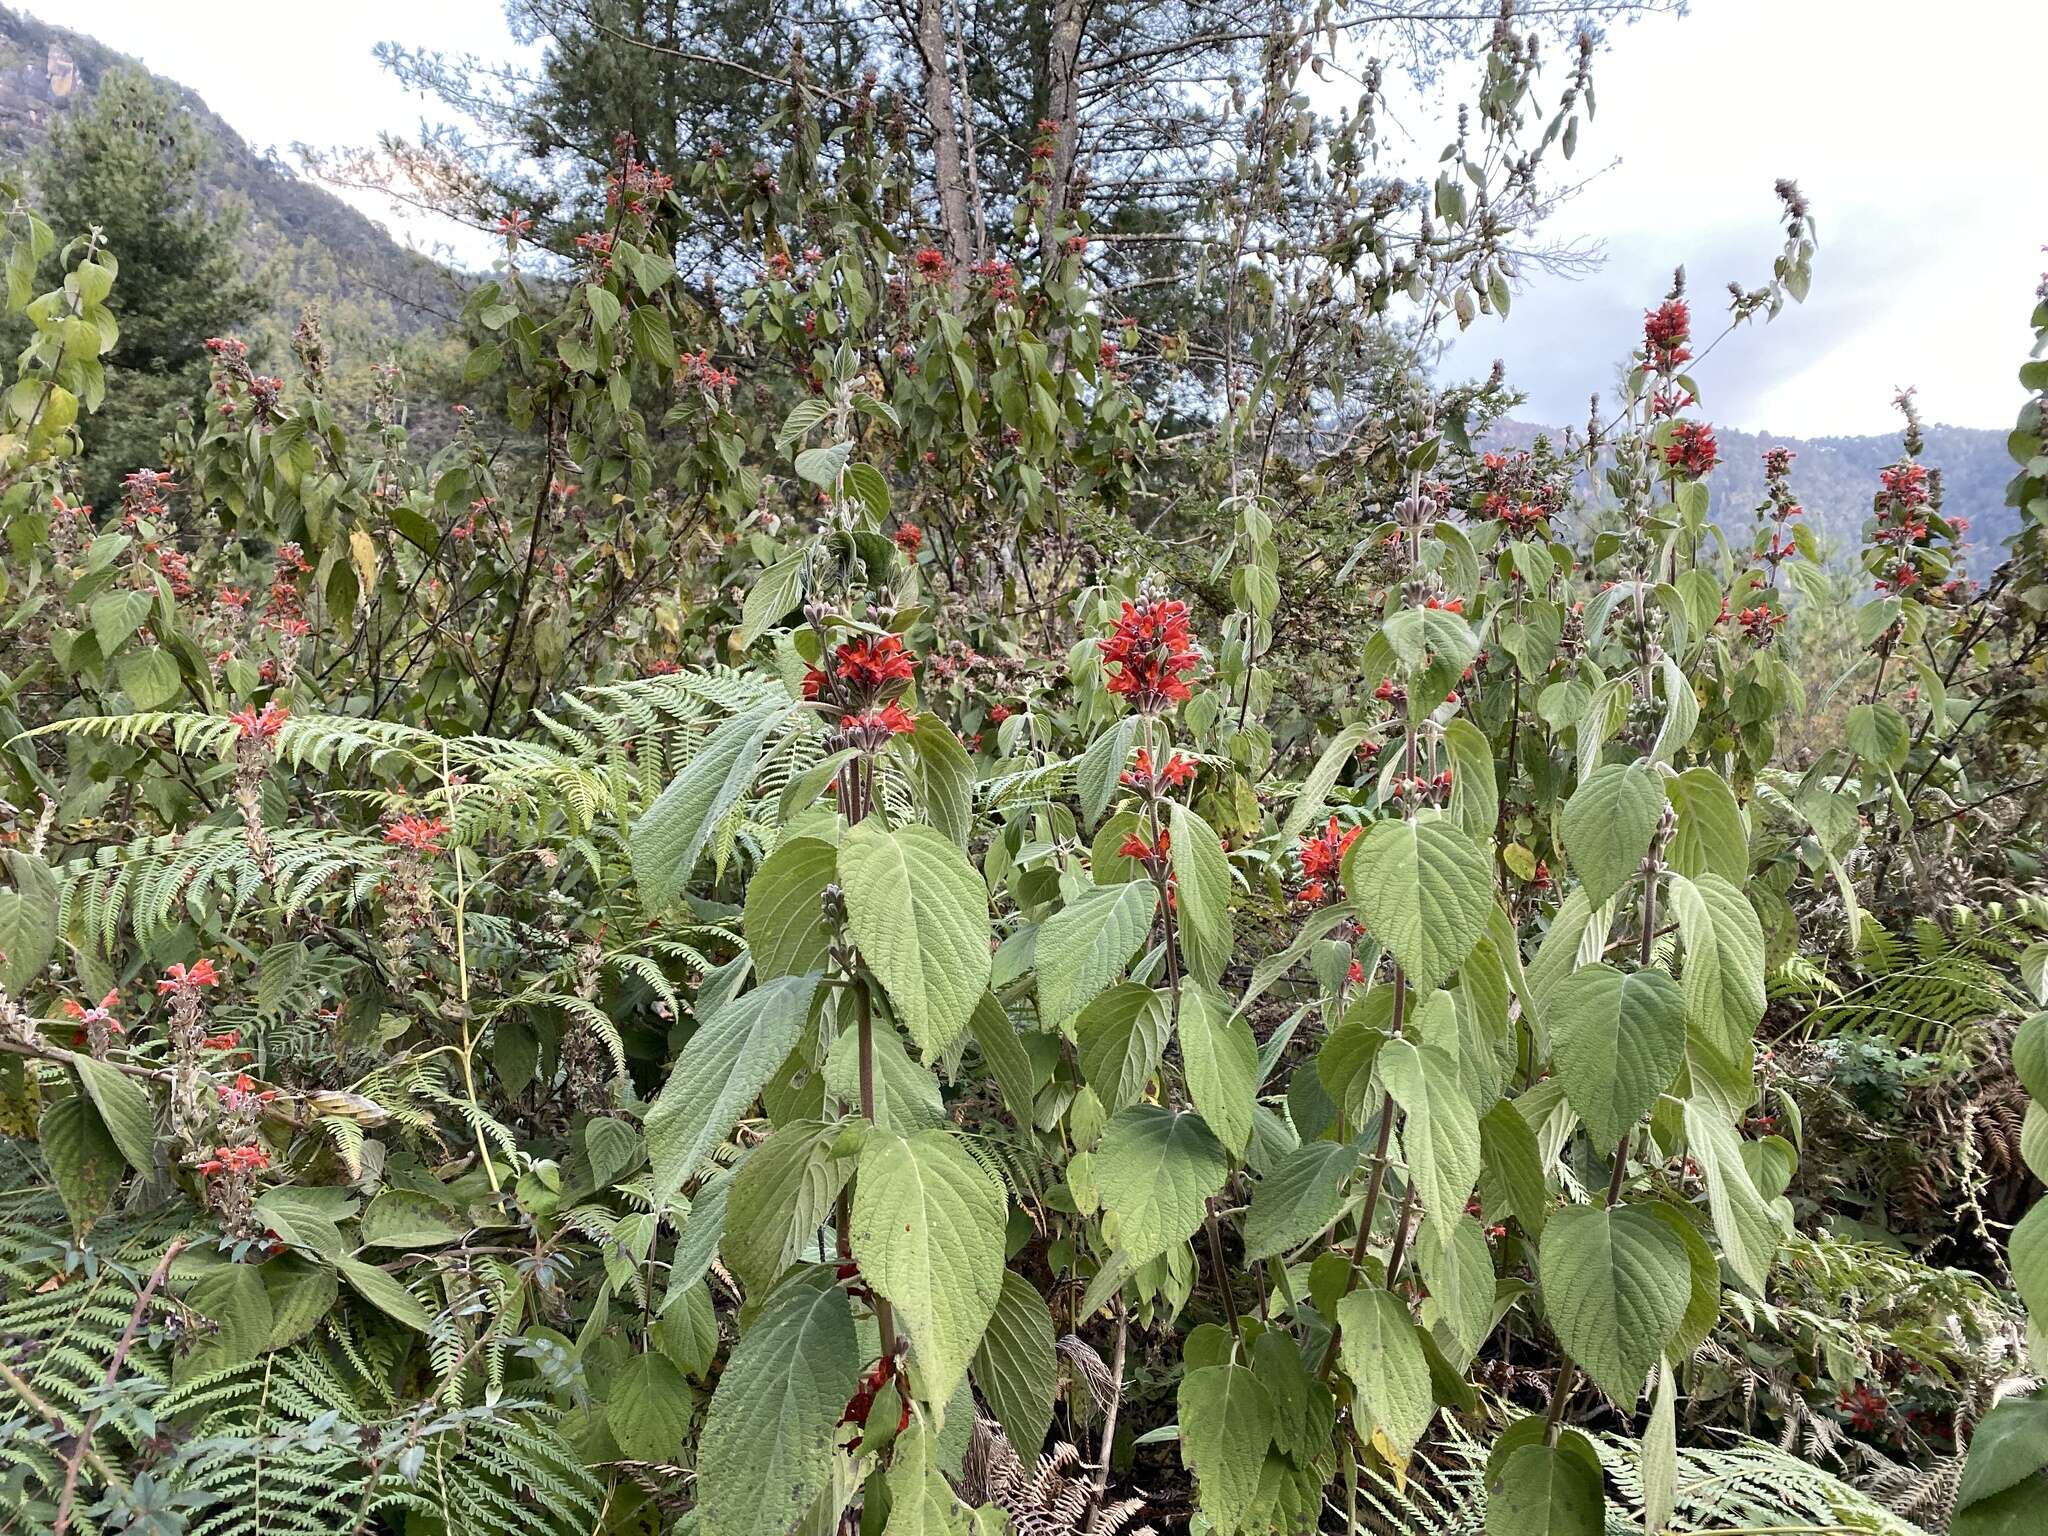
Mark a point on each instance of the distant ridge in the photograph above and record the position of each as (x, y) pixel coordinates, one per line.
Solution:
(308, 241)
(1835, 478)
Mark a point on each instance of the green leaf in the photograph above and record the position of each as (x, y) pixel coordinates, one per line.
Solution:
(943, 776)
(1381, 1351)
(1226, 1424)
(1156, 1170)
(1723, 978)
(779, 589)
(928, 1225)
(1440, 1132)
(722, 1070)
(1511, 1167)
(384, 1293)
(649, 1409)
(28, 919)
(304, 1219)
(125, 1108)
(1002, 1052)
(84, 1161)
(150, 679)
(667, 840)
(1425, 889)
(1101, 767)
(767, 1446)
(1315, 789)
(302, 1295)
(921, 1500)
(1545, 1490)
(234, 1299)
(1615, 1287)
(1119, 1039)
(1016, 1365)
(907, 1095)
(1617, 1041)
(401, 1218)
(1710, 838)
(2008, 1454)
(1202, 875)
(604, 306)
(2028, 1251)
(1298, 1199)
(2030, 1057)
(1607, 825)
(116, 616)
(1457, 1266)
(1879, 735)
(821, 466)
(1221, 1059)
(1660, 1453)
(1085, 945)
(919, 914)
(780, 1195)
(1475, 798)
(784, 916)
(1749, 1228)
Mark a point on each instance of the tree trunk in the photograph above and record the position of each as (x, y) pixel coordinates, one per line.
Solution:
(1063, 77)
(949, 166)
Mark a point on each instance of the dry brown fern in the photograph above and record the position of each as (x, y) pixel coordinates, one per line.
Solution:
(1049, 1498)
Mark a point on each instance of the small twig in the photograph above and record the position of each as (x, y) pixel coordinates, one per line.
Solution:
(81, 1446)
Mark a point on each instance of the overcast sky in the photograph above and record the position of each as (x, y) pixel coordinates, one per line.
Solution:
(1913, 128)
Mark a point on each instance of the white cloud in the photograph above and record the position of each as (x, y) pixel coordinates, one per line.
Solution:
(1914, 132)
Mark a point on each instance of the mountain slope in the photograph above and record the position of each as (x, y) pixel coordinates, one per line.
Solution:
(307, 243)
(1836, 477)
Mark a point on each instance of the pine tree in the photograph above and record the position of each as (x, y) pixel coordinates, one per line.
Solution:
(131, 163)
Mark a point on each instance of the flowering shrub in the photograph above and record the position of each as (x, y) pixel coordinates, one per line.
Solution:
(816, 1066)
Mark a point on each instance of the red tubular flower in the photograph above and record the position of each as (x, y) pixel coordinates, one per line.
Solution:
(909, 538)
(260, 725)
(1151, 653)
(222, 1042)
(1692, 450)
(1323, 852)
(177, 978)
(872, 663)
(1174, 772)
(1356, 975)
(931, 264)
(1134, 846)
(99, 1012)
(1666, 330)
(417, 834)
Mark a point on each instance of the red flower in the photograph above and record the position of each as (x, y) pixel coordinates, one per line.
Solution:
(999, 713)
(1865, 1407)
(931, 264)
(178, 979)
(909, 538)
(263, 725)
(99, 1010)
(870, 664)
(1135, 847)
(1175, 771)
(1356, 975)
(222, 1042)
(1322, 852)
(1692, 451)
(1152, 653)
(892, 719)
(1666, 330)
(417, 834)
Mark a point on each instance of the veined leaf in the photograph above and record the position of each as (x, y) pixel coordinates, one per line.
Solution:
(928, 1234)
(1156, 1170)
(1425, 889)
(1618, 1041)
(1616, 1283)
(723, 1069)
(919, 913)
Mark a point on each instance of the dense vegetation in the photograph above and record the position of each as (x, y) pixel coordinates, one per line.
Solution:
(920, 880)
